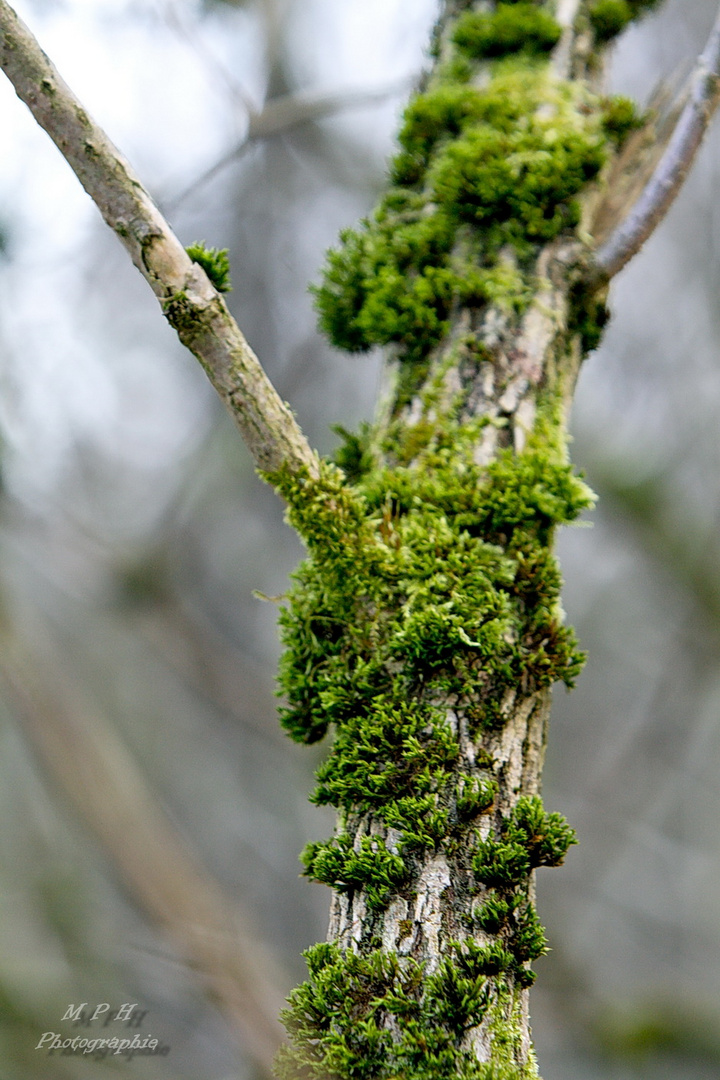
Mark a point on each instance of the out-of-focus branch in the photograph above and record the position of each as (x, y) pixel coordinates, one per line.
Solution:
(211, 666)
(84, 757)
(687, 553)
(191, 304)
(284, 113)
(659, 194)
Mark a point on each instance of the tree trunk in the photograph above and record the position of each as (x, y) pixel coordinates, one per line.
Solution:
(426, 623)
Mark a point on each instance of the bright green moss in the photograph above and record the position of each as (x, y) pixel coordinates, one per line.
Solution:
(215, 263)
(511, 28)
(438, 115)
(546, 837)
(521, 185)
(397, 749)
(422, 582)
(474, 796)
(439, 571)
(478, 170)
(496, 912)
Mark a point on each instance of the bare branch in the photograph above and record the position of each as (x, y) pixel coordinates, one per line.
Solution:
(660, 192)
(189, 301)
(281, 114)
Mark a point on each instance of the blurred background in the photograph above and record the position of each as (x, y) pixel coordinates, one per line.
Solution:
(151, 813)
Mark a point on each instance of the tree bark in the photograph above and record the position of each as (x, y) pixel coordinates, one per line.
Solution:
(426, 971)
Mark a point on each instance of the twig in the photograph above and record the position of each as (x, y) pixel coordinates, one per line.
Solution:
(665, 183)
(285, 113)
(190, 303)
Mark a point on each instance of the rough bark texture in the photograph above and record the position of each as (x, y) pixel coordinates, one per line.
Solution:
(473, 272)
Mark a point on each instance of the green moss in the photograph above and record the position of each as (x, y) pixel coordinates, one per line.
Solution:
(511, 28)
(620, 117)
(422, 582)
(495, 912)
(519, 184)
(371, 867)
(377, 1017)
(478, 170)
(588, 315)
(438, 115)
(353, 455)
(609, 18)
(430, 594)
(474, 796)
(215, 263)
(440, 569)
(530, 838)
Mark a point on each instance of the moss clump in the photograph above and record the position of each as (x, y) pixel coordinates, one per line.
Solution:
(609, 18)
(430, 582)
(353, 455)
(620, 118)
(511, 28)
(396, 749)
(530, 838)
(377, 1017)
(372, 867)
(478, 170)
(588, 315)
(519, 184)
(215, 263)
(436, 575)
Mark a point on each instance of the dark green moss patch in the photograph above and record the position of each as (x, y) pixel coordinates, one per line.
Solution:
(353, 455)
(530, 838)
(609, 18)
(588, 315)
(371, 867)
(620, 118)
(511, 28)
(377, 1017)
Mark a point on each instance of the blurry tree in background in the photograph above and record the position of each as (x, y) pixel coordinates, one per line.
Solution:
(134, 532)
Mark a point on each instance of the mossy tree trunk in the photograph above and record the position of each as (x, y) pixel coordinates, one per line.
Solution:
(426, 624)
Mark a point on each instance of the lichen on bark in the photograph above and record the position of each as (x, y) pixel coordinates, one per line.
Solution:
(425, 625)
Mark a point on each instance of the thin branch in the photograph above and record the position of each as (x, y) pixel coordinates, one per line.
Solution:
(285, 113)
(175, 18)
(665, 183)
(189, 301)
